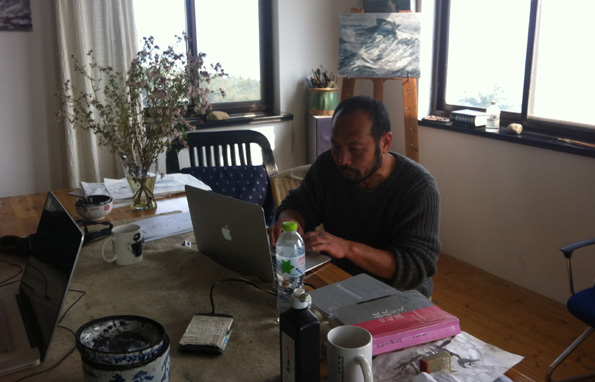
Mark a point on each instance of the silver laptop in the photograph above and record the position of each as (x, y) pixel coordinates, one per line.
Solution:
(29, 313)
(234, 234)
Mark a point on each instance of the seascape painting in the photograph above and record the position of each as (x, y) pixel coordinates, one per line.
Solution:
(379, 45)
(15, 15)
(382, 6)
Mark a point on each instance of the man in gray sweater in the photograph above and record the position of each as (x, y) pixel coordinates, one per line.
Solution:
(380, 210)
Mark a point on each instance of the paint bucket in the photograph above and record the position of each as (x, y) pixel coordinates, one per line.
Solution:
(322, 101)
(123, 348)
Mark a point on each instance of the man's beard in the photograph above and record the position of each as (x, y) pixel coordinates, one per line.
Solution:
(354, 175)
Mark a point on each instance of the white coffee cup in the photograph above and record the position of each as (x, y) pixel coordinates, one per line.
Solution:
(127, 245)
(349, 354)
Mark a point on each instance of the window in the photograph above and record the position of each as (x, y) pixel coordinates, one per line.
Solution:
(530, 56)
(235, 33)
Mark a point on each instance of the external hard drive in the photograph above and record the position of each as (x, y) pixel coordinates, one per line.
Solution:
(207, 333)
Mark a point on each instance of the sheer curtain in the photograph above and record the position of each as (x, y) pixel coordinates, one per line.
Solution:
(107, 28)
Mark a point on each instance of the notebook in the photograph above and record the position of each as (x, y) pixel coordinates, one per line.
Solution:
(29, 313)
(234, 234)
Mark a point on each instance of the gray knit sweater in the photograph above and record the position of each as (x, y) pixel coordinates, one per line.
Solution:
(402, 216)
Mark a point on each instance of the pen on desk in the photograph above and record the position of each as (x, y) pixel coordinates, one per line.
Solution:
(374, 299)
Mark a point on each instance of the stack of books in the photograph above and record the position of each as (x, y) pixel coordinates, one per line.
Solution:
(469, 118)
(395, 319)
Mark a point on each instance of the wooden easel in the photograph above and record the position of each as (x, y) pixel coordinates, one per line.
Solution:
(409, 103)
(409, 106)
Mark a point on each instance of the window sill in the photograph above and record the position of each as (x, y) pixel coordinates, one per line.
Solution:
(527, 138)
(241, 119)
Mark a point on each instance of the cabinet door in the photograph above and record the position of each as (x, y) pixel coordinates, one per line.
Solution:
(318, 135)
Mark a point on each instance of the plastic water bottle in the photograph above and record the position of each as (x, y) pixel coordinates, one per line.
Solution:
(300, 340)
(291, 264)
(493, 112)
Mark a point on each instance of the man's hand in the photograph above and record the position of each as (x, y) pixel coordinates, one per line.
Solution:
(277, 229)
(325, 242)
(377, 261)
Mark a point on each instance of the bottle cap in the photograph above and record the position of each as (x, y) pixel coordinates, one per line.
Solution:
(300, 299)
(289, 226)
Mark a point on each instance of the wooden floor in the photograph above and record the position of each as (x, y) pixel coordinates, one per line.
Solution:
(513, 319)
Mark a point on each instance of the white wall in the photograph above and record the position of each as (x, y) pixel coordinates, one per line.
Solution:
(506, 208)
(308, 37)
(31, 141)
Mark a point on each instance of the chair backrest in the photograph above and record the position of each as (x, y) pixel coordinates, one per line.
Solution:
(225, 161)
(568, 251)
(582, 306)
(287, 180)
(222, 148)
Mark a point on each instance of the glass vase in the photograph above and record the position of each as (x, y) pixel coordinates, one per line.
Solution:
(142, 184)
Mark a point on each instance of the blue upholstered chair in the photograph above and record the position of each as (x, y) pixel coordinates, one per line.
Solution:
(582, 305)
(225, 160)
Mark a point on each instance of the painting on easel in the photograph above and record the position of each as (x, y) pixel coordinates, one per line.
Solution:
(379, 6)
(379, 45)
(15, 15)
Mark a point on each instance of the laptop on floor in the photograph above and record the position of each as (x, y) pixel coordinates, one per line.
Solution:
(29, 313)
(234, 234)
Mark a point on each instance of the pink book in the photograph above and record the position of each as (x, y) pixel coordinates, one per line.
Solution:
(412, 328)
(396, 319)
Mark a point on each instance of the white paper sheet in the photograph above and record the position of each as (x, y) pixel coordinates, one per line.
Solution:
(162, 226)
(170, 184)
(472, 361)
(94, 189)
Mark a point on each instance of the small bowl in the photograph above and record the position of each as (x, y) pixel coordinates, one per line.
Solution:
(94, 207)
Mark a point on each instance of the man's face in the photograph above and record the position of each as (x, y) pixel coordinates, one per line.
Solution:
(353, 148)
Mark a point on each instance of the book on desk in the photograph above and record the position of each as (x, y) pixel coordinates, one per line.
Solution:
(395, 319)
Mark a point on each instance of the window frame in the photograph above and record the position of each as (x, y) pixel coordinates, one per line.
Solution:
(535, 126)
(264, 106)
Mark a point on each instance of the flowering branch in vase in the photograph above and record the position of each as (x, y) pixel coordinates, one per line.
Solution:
(137, 114)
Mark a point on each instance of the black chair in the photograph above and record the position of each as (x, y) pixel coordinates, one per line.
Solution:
(221, 148)
(582, 305)
(225, 161)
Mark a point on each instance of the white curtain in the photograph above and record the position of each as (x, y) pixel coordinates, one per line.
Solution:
(107, 28)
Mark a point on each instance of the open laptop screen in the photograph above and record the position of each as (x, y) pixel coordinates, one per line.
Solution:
(54, 252)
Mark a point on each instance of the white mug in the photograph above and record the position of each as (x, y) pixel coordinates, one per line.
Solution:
(349, 354)
(127, 245)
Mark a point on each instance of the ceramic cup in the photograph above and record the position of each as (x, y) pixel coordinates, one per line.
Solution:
(127, 245)
(349, 354)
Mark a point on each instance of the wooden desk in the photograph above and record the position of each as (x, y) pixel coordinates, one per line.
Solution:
(19, 216)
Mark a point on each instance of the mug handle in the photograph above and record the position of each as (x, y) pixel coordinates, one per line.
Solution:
(366, 369)
(110, 260)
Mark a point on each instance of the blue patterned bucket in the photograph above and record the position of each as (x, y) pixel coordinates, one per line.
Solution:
(124, 348)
